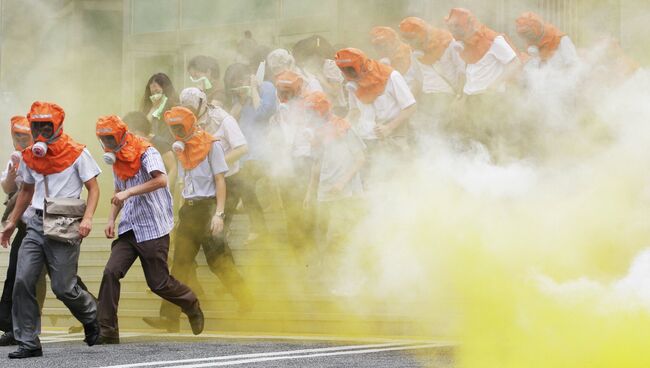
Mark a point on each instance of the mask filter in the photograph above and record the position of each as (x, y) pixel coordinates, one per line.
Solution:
(418, 54)
(178, 146)
(15, 158)
(351, 86)
(109, 158)
(39, 149)
(533, 51)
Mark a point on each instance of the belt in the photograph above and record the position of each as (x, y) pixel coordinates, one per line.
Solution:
(199, 201)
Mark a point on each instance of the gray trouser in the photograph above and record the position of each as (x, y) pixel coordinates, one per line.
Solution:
(61, 261)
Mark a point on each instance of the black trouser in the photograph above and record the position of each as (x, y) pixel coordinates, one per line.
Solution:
(243, 186)
(6, 299)
(153, 257)
(192, 233)
(300, 222)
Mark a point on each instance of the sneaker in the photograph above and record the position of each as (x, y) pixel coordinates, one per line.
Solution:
(7, 339)
(91, 330)
(162, 323)
(23, 353)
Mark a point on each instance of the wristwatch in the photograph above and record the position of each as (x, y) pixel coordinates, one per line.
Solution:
(221, 214)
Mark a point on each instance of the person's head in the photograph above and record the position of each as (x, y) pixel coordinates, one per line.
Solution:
(21, 133)
(111, 132)
(311, 52)
(195, 100)
(318, 106)
(158, 86)
(351, 61)
(248, 34)
(204, 71)
(384, 40)
(237, 81)
(137, 123)
(181, 122)
(279, 60)
(461, 23)
(46, 121)
(530, 27)
(288, 85)
(415, 31)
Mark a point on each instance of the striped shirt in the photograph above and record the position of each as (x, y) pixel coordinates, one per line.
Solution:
(150, 215)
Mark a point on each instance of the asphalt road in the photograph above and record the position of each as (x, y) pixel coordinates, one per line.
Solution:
(176, 350)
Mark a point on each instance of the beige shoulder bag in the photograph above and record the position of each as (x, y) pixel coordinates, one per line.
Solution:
(62, 217)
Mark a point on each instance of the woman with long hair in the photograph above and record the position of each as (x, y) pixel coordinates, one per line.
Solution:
(160, 96)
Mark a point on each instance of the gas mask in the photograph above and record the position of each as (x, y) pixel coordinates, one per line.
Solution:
(44, 134)
(202, 83)
(111, 146)
(181, 136)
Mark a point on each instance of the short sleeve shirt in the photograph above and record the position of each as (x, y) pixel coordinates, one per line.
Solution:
(224, 126)
(149, 215)
(396, 97)
(444, 75)
(199, 181)
(337, 157)
(484, 73)
(66, 184)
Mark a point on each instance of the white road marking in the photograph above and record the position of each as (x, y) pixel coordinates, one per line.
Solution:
(305, 356)
(256, 355)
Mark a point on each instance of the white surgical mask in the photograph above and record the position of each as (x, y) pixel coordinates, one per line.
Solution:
(109, 158)
(203, 82)
(156, 97)
(39, 149)
(178, 146)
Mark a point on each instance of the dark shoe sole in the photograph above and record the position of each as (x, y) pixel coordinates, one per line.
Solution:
(158, 324)
(28, 354)
(103, 340)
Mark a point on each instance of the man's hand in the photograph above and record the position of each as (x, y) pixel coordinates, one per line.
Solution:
(12, 173)
(119, 198)
(383, 130)
(5, 236)
(85, 227)
(217, 225)
(109, 231)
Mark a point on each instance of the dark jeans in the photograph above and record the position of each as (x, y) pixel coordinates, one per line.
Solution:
(6, 323)
(300, 222)
(192, 233)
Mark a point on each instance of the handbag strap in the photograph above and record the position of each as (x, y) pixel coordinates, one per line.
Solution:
(47, 191)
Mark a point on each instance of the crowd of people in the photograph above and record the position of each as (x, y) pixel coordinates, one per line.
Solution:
(318, 123)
